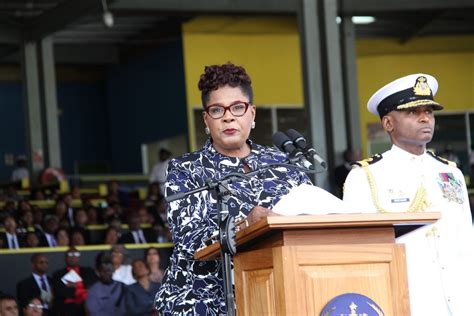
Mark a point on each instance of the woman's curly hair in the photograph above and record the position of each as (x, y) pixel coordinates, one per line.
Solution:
(217, 76)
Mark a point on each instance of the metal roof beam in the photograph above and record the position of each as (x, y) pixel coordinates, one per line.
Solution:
(209, 6)
(59, 17)
(361, 7)
(421, 23)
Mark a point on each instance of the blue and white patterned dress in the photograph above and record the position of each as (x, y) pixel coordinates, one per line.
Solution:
(192, 287)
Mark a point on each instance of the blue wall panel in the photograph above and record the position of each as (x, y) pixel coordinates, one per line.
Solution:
(83, 123)
(142, 100)
(147, 102)
(12, 125)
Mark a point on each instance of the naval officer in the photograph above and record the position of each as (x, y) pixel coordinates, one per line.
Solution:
(408, 178)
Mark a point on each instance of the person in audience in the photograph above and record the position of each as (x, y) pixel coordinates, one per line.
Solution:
(145, 217)
(67, 198)
(78, 237)
(11, 194)
(340, 172)
(163, 233)
(23, 206)
(25, 222)
(38, 217)
(117, 195)
(50, 226)
(122, 270)
(137, 235)
(38, 195)
(62, 237)
(159, 212)
(163, 236)
(158, 173)
(76, 193)
(34, 307)
(80, 218)
(37, 285)
(140, 295)
(153, 192)
(21, 171)
(152, 260)
(114, 221)
(107, 296)
(32, 240)
(108, 213)
(9, 207)
(71, 293)
(60, 209)
(111, 236)
(8, 305)
(92, 217)
(9, 239)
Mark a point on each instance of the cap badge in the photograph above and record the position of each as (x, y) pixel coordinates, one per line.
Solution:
(421, 86)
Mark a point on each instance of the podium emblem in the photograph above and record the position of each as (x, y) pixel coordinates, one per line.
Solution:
(351, 304)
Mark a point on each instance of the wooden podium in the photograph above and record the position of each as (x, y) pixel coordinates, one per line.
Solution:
(294, 265)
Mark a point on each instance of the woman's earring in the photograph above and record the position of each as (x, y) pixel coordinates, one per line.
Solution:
(207, 131)
(253, 125)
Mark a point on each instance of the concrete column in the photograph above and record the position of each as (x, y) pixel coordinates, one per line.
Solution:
(312, 80)
(32, 105)
(50, 104)
(350, 82)
(335, 84)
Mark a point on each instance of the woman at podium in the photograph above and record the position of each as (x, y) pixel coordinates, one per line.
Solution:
(192, 287)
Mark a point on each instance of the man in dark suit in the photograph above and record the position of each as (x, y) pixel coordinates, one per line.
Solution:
(50, 226)
(341, 171)
(37, 285)
(136, 235)
(70, 292)
(9, 239)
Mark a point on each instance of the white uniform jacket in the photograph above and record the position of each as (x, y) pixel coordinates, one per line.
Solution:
(440, 275)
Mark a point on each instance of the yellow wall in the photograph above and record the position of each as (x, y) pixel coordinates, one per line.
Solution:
(269, 49)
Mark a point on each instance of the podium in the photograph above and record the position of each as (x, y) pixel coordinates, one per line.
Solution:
(295, 265)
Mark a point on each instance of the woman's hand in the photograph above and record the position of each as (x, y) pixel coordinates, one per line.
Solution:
(257, 213)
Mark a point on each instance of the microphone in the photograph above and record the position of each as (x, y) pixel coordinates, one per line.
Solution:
(285, 144)
(300, 142)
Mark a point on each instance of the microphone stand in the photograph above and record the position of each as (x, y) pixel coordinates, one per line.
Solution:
(226, 220)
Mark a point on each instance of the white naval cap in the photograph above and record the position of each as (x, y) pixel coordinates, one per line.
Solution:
(404, 93)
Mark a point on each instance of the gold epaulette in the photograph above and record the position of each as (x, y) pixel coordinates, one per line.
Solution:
(369, 161)
(443, 160)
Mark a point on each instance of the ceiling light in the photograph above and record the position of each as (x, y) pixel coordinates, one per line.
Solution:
(358, 19)
(363, 19)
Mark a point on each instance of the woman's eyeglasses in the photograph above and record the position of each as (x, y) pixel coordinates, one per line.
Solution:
(237, 109)
(37, 306)
(73, 254)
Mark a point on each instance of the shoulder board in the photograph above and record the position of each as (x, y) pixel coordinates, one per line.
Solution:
(443, 160)
(369, 161)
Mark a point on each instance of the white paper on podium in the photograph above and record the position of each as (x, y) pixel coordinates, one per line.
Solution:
(307, 199)
(71, 277)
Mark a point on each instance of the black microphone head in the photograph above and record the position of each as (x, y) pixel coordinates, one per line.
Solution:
(283, 142)
(297, 138)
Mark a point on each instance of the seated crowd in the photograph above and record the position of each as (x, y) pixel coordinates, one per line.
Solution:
(27, 225)
(113, 286)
